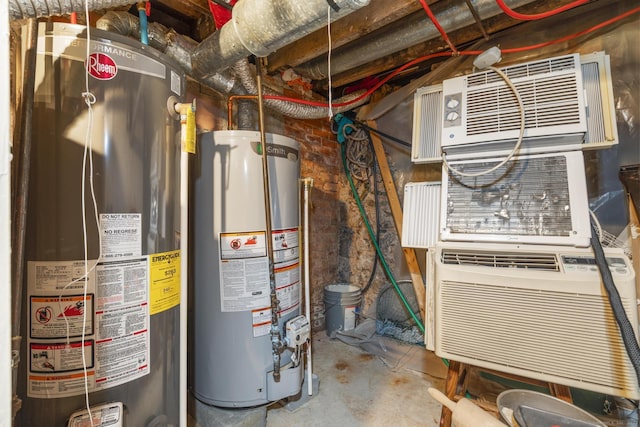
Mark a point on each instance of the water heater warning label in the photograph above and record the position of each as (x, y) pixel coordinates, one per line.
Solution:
(121, 235)
(113, 317)
(243, 245)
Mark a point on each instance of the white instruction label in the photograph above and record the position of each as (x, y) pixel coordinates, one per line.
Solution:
(114, 317)
(121, 235)
(245, 284)
(261, 320)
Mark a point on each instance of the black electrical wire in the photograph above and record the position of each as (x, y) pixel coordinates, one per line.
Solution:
(386, 135)
(363, 167)
(626, 329)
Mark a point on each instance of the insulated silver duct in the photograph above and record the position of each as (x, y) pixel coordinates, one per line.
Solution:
(172, 44)
(414, 29)
(21, 9)
(239, 80)
(244, 72)
(260, 27)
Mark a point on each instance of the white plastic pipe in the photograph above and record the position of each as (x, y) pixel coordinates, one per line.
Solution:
(308, 184)
(184, 265)
(5, 222)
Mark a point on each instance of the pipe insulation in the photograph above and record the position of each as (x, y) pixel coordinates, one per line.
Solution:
(172, 44)
(414, 29)
(238, 80)
(259, 27)
(21, 9)
(244, 72)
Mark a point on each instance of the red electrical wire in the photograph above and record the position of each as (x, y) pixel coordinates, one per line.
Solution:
(573, 36)
(537, 16)
(443, 33)
(447, 53)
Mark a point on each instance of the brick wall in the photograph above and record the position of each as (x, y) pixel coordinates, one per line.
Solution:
(320, 161)
(340, 248)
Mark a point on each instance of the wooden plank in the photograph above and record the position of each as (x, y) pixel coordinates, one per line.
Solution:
(455, 375)
(634, 225)
(562, 392)
(396, 212)
(190, 8)
(376, 14)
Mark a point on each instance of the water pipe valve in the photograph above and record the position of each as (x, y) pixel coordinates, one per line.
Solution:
(297, 331)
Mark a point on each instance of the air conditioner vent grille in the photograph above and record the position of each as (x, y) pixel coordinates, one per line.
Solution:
(534, 68)
(534, 261)
(548, 101)
(427, 128)
(571, 337)
(531, 199)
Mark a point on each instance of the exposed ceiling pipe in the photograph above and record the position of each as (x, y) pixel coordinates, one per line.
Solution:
(260, 27)
(257, 27)
(414, 29)
(22, 9)
(174, 45)
(238, 80)
(244, 71)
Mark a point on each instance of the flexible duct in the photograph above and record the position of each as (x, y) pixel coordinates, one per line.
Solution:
(260, 27)
(414, 29)
(244, 72)
(21, 9)
(239, 80)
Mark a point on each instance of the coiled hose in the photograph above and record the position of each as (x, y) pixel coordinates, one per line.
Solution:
(383, 261)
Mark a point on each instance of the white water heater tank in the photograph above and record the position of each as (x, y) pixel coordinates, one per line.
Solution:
(232, 357)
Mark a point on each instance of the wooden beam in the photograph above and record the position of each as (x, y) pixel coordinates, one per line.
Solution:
(396, 212)
(376, 14)
(190, 8)
(459, 37)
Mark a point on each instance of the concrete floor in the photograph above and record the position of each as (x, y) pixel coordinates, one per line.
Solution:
(384, 387)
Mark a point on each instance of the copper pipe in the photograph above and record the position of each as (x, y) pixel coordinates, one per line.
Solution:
(230, 106)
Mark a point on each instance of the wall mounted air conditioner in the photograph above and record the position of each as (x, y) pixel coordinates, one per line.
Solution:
(568, 105)
(535, 311)
(539, 198)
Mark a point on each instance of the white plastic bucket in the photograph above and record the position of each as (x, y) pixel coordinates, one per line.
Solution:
(341, 302)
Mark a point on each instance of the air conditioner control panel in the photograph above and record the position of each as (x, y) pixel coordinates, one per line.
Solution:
(586, 264)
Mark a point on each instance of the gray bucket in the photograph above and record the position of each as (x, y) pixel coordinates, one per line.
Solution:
(341, 301)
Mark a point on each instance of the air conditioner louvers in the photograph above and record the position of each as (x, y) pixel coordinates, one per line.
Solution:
(533, 261)
(568, 104)
(554, 326)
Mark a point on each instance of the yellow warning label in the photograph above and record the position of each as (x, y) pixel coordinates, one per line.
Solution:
(164, 291)
(190, 137)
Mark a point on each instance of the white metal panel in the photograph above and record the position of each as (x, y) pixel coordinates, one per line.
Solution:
(421, 212)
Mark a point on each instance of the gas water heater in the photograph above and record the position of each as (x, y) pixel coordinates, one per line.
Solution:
(115, 331)
(232, 342)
